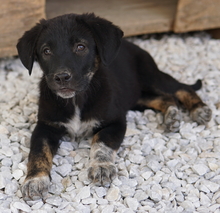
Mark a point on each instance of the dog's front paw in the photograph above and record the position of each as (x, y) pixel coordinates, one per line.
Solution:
(102, 174)
(172, 119)
(201, 115)
(35, 188)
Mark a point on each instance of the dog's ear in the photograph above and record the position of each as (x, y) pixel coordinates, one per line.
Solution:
(26, 46)
(106, 35)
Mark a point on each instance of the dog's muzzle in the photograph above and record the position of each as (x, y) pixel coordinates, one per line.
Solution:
(67, 85)
(66, 93)
(61, 84)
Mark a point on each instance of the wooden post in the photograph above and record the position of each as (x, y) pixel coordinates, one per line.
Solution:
(197, 15)
(15, 18)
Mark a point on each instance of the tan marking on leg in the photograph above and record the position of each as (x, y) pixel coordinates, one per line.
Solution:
(37, 181)
(40, 164)
(95, 139)
(190, 100)
(166, 104)
(199, 111)
(159, 103)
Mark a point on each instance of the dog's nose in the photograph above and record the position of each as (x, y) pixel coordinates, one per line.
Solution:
(62, 77)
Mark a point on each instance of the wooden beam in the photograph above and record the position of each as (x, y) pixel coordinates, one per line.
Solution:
(215, 33)
(17, 17)
(197, 15)
(135, 17)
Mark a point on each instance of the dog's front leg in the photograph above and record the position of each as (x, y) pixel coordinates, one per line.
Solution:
(44, 144)
(105, 144)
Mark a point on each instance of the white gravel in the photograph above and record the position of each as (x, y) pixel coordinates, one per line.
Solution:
(157, 171)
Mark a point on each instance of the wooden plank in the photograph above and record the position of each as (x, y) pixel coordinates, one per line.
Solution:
(197, 15)
(133, 16)
(15, 18)
(215, 33)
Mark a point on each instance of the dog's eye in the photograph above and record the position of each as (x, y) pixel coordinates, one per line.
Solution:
(47, 51)
(80, 48)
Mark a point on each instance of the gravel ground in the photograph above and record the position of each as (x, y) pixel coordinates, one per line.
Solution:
(157, 171)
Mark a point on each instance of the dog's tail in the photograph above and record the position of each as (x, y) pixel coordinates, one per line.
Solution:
(197, 85)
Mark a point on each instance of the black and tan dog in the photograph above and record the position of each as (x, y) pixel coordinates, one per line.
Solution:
(91, 78)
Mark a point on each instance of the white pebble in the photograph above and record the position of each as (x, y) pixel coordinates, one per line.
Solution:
(77, 158)
(133, 171)
(11, 188)
(204, 199)
(116, 182)
(140, 195)
(130, 132)
(88, 201)
(214, 207)
(213, 166)
(6, 162)
(17, 174)
(192, 178)
(188, 205)
(64, 169)
(203, 188)
(135, 158)
(200, 169)
(102, 201)
(100, 191)
(126, 190)
(22, 206)
(108, 209)
(3, 181)
(83, 175)
(54, 200)
(84, 144)
(38, 205)
(83, 193)
(7, 151)
(3, 130)
(132, 203)
(147, 175)
(154, 165)
(113, 194)
(172, 163)
(155, 193)
(213, 187)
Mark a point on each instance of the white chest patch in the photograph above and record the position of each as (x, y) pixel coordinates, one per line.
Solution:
(77, 128)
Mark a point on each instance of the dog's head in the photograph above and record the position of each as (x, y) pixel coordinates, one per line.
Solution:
(69, 49)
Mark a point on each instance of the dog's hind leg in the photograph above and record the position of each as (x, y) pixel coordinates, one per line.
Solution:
(199, 111)
(166, 104)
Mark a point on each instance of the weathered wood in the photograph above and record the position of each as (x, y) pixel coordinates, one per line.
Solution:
(135, 17)
(197, 15)
(15, 18)
(215, 33)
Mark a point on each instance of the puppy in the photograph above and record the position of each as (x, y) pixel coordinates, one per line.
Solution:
(91, 78)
